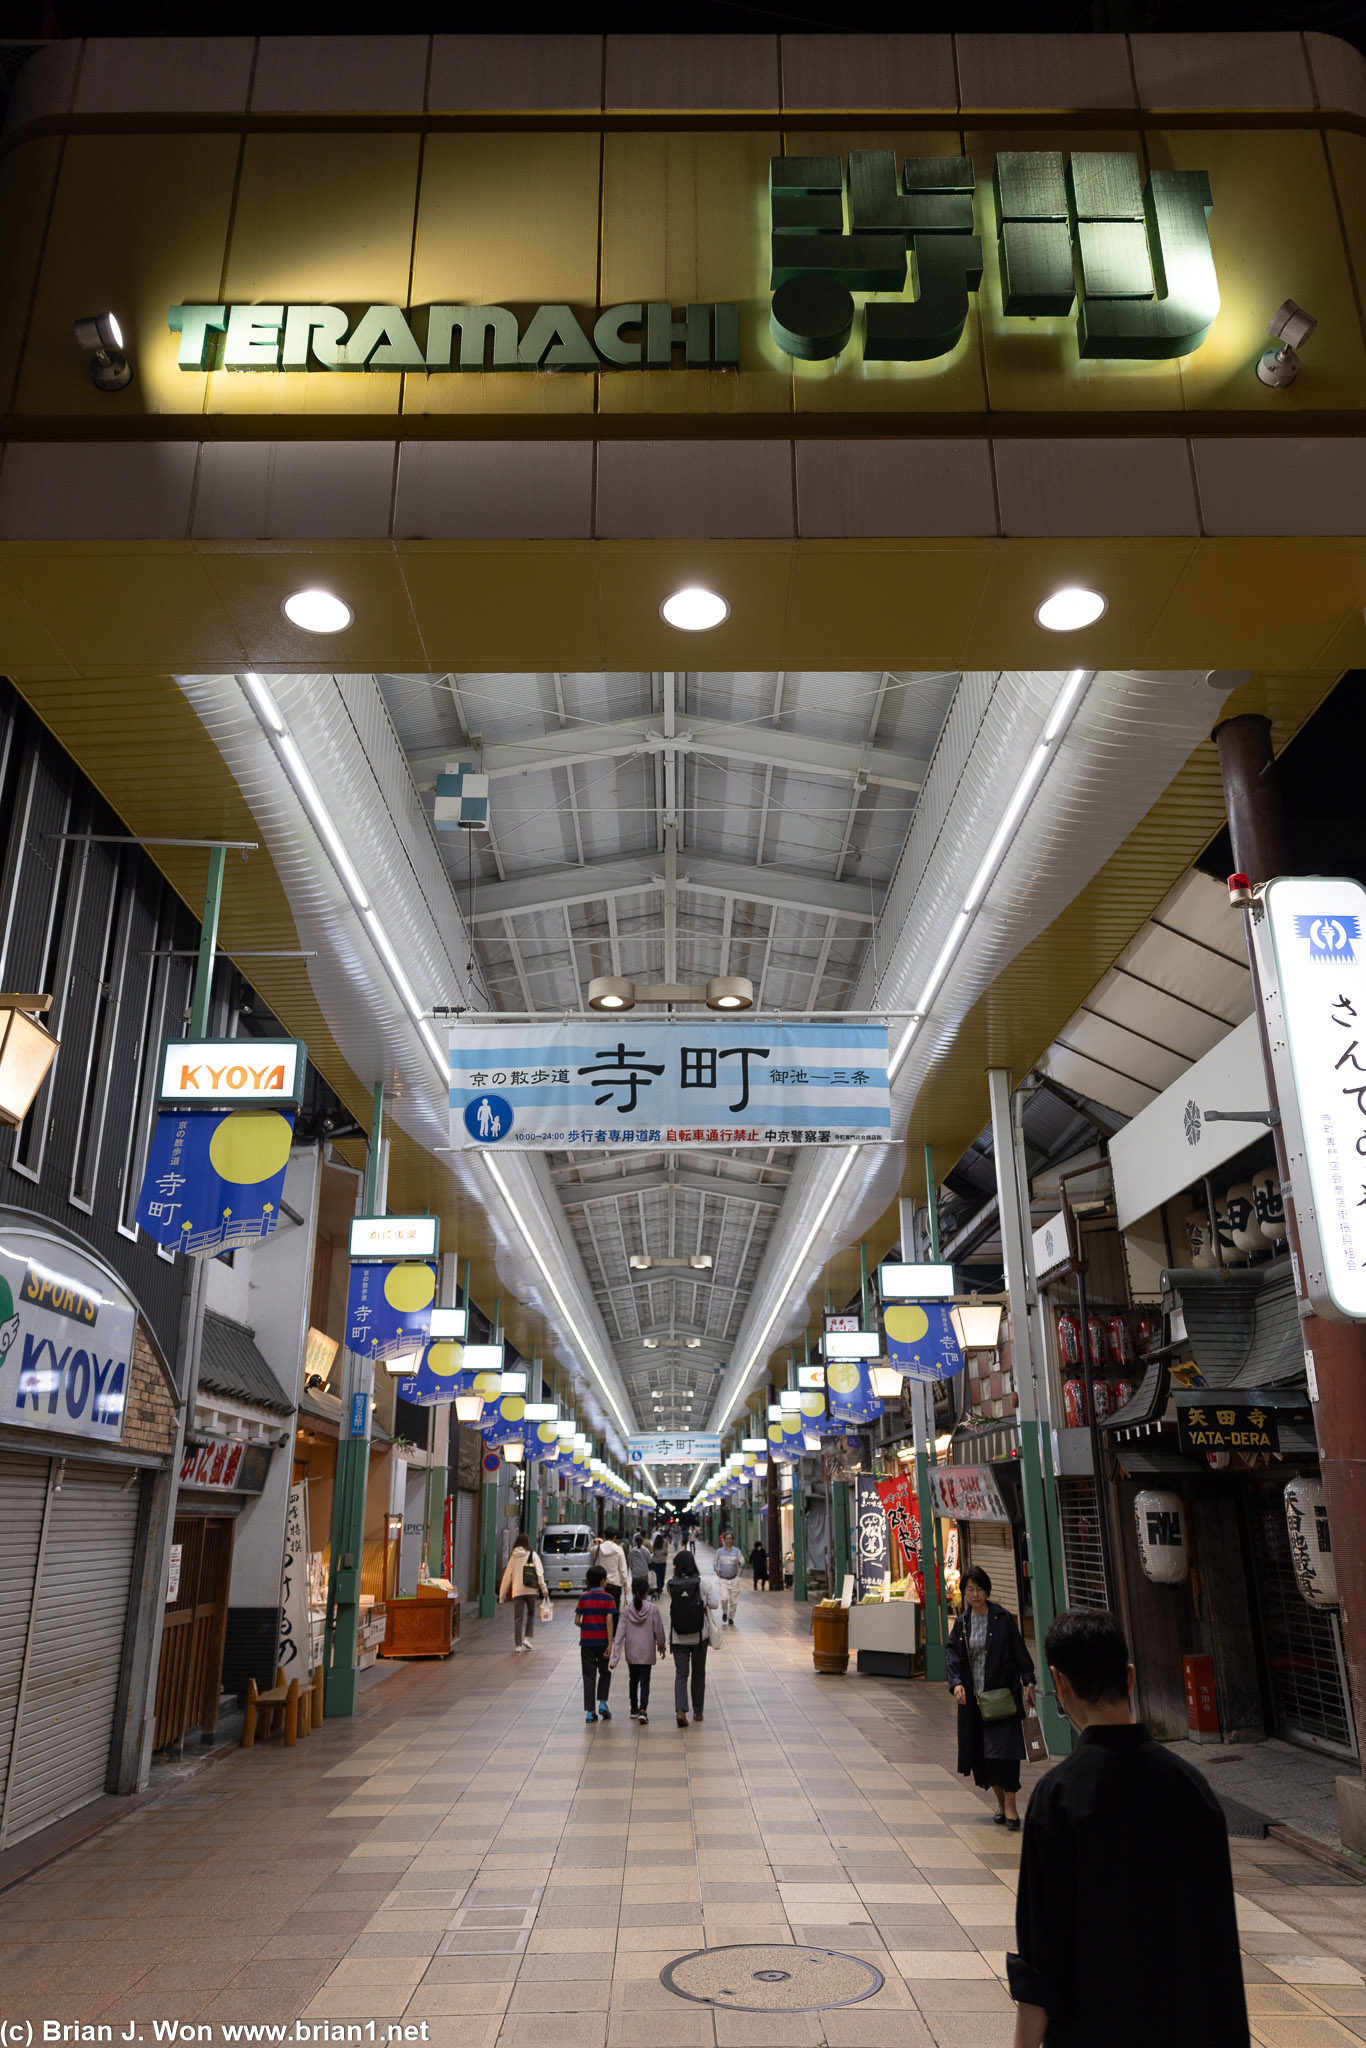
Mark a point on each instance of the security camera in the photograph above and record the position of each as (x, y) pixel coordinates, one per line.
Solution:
(1292, 327)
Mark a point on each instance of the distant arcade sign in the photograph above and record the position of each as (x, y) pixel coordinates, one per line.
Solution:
(219, 1073)
(394, 1237)
(635, 336)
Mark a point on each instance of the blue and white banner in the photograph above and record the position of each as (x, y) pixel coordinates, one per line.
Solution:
(920, 1339)
(214, 1178)
(693, 1082)
(389, 1308)
(681, 1448)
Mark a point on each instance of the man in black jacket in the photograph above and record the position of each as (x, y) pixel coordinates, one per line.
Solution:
(1125, 1919)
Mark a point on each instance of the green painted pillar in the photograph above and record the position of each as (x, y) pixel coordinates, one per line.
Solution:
(340, 1686)
(208, 944)
(434, 1492)
(488, 1515)
(922, 1402)
(798, 1535)
(843, 1555)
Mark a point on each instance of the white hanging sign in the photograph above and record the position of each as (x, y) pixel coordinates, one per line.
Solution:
(1160, 1524)
(1311, 1543)
(1310, 942)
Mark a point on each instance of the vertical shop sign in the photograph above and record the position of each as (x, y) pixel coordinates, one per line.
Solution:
(1310, 947)
(296, 1637)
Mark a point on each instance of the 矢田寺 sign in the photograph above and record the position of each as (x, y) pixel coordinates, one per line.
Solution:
(966, 1493)
(1210, 1422)
(66, 1338)
(623, 1083)
(1309, 937)
(217, 1072)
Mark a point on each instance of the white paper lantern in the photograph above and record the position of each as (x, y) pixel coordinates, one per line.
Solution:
(1200, 1245)
(1244, 1226)
(1311, 1542)
(1223, 1223)
(1163, 1545)
(1266, 1189)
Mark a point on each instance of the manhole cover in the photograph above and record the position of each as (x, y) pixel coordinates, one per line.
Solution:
(776, 1978)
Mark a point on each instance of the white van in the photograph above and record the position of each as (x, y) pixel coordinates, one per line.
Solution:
(564, 1548)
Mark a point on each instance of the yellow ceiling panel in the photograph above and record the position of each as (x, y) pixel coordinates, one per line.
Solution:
(466, 599)
(884, 599)
(134, 605)
(251, 587)
(753, 576)
(508, 219)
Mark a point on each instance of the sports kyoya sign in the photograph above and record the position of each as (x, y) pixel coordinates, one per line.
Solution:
(1309, 935)
(1084, 236)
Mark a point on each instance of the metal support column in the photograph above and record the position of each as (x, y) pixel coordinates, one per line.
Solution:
(1036, 1468)
(208, 944)
(922, 1436)
(488, 1512)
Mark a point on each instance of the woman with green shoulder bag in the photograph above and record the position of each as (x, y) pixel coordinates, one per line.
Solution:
(991, 1675)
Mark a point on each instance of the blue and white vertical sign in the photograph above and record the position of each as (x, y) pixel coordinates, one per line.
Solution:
(544, 1087)
(1309, 939)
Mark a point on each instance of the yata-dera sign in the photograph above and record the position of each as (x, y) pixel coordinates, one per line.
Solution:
(216, 1073)
(66, 1340)
(472, 338)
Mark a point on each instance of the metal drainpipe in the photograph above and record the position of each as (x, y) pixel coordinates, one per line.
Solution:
(1080, 1266)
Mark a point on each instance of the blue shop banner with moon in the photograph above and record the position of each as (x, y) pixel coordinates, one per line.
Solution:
(215, 1178)
(921, 1341)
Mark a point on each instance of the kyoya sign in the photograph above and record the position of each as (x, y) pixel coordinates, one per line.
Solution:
(1309, 938)
(444, 338)
(66, 1340)
(966, 1493)
(215, 1072)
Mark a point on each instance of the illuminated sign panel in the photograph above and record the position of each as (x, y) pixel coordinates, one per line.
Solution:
(217, 1072)
(394, 1237)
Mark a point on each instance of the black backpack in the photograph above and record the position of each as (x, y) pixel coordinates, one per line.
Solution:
(687, 1608)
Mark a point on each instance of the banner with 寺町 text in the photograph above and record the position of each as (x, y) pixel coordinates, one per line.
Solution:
(550, 1086)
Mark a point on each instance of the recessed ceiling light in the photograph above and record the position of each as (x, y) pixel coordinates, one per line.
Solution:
(317, 611)
(694, 610)
(1069, 609)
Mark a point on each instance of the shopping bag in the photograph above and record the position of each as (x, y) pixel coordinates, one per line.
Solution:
(546, 1610)
(1035, 1741)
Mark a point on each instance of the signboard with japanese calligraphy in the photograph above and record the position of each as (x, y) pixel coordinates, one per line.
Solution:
(966, 1493)
(1310, 940)
(920, 1340)
(214, 1466)
(692, 1082)
(214, 1179)
(296, 1634)
(1225, 1422)
(388, 1308)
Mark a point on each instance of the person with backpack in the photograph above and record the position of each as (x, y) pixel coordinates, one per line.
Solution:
(730, 1562)
(692, 1604)
(641, 1636)
(524, 1585)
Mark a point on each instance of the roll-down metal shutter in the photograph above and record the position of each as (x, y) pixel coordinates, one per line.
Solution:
(23, 1492)
(61, 1746)
(990, 1545)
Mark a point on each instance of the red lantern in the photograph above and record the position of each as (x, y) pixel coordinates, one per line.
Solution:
(1100, 1394)
(1095, 1337)
(1121, 1391)
(1118, 1341)
(1069, 1339)
(1074, 1403)
(1145, 1330)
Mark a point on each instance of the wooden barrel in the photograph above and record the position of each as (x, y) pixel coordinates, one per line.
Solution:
(830, 1630)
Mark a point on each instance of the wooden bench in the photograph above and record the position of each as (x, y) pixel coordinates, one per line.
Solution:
(293, 1710)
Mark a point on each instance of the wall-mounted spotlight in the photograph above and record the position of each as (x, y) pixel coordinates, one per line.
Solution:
(722, 992)
(101, 334)
(1291, 327)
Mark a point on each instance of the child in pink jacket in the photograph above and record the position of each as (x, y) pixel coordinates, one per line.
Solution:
(640, 1633)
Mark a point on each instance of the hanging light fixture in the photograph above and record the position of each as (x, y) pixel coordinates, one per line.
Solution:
(26, 1053)
(976, 1324)
(469, 1407)
(514, 1452)
(885, 1381)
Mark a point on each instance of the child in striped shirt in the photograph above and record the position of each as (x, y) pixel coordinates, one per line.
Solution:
(595, 1618)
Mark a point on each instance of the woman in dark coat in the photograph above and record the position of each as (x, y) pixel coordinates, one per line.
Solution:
(986, 1650)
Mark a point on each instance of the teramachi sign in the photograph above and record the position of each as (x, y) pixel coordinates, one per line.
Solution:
(214, 1073)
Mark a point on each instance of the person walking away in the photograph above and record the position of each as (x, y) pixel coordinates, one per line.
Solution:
(728, 1565)
(758, 1564)
(690, 1602)
(1104, 1949)
(659, 1561)
(607, 1552)
(987, 1660)
(524, 1585)
(641, 1635)
(637, 1563)
(595, 1617)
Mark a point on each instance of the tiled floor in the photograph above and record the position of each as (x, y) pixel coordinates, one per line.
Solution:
(467, 1857)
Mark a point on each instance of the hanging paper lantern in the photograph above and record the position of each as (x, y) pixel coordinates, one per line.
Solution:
(849, 1395)
(1240, 1205)
(1311, 1542)
(1266, 1192)
(1163, 1547)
